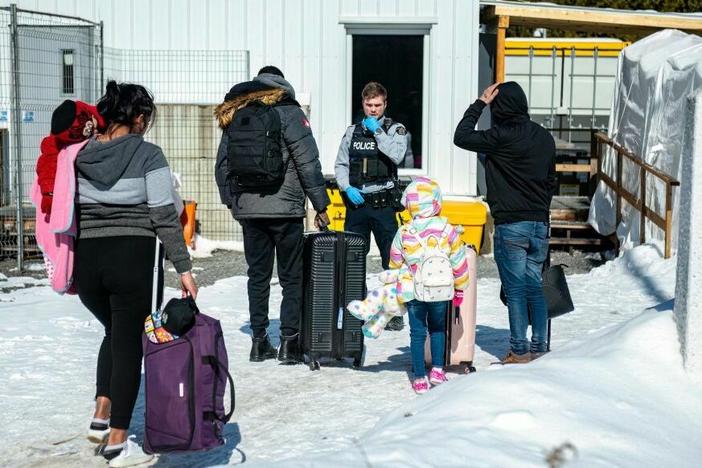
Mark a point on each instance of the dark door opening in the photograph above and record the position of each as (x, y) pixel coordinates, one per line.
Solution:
(397, 63)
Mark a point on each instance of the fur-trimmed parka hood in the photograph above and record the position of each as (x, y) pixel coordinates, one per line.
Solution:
(267, 88)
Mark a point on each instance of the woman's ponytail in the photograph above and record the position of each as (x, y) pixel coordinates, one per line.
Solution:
(124, 102)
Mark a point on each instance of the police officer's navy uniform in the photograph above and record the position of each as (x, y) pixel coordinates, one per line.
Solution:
(368, 161)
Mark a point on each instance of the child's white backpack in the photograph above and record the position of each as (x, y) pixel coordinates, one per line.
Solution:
(433, 279)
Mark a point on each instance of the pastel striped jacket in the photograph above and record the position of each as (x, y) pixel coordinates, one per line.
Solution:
(422, 198)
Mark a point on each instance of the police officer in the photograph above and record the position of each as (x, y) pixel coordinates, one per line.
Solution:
(366, 172)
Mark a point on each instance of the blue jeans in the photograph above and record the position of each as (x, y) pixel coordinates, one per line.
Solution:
(420, 315)
(520, 252)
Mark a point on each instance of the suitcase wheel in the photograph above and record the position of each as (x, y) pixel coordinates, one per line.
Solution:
(468, 367)
(314, 365)
(360, 359)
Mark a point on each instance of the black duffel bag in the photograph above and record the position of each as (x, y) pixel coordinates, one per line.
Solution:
(556, 292)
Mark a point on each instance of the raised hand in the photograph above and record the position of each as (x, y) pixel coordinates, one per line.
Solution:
(489, 94)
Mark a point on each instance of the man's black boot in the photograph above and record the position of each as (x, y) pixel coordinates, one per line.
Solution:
(289, 352)
(395, 324)
(262, 349)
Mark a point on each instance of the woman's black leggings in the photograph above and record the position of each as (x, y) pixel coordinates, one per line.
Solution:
(114, 277)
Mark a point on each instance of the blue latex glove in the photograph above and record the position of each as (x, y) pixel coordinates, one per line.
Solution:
(354, 195)
(371, 123)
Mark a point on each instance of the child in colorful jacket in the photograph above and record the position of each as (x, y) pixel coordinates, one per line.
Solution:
(71, 122)
(54, 187)
(422, 198)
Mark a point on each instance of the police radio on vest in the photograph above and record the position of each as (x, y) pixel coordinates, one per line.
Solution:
(364, 145)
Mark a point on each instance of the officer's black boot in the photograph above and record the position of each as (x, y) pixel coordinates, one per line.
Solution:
(289, 352)
(262, 349)
(395, 324)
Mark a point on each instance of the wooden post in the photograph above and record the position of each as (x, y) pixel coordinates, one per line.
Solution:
(642, 224)
(594, 163)
(600, 154)
(668, 219)
(502, 25)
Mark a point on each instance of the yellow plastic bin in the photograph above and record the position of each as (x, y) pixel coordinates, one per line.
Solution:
(471, 215)
(336, 210)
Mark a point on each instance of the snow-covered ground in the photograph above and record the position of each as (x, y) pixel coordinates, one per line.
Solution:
(204, 247)
(618, 395)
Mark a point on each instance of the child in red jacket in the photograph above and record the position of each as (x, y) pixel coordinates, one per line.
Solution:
(71, 122)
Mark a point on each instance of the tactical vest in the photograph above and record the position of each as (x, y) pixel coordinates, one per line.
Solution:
(367, 164)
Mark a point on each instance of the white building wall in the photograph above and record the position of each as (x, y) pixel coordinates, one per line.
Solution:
(307, 39)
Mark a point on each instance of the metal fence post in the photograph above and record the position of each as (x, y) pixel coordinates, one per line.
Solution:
(531, 64)
(102, 61)
(17, 124)
(572, 82)
(595, 57)
(554, 55)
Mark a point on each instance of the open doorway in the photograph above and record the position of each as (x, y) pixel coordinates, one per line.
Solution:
(397, 62)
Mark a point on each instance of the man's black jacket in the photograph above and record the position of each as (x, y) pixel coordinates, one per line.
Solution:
(520, 157)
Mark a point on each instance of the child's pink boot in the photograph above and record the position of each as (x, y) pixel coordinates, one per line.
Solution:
(437, 376)
(420, 385)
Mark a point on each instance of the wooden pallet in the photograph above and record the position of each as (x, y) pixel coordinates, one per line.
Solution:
(8, 231)
(572, 233)
(570, 209)
(569, 226)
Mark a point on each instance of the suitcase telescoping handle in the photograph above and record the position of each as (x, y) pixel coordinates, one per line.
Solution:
(154, 284)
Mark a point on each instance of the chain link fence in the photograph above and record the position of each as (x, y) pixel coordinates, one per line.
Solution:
(187, 85)
(47, 58)
(44, 59)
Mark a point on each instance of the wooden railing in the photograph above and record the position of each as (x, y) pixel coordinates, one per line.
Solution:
(638, 201)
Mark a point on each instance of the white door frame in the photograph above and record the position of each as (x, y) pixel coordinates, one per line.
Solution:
(416, 27)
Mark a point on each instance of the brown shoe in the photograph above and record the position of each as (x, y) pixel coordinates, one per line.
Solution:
(513, 358)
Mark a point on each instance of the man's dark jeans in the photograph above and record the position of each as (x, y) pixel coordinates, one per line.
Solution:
(264, 238)
(520, 252)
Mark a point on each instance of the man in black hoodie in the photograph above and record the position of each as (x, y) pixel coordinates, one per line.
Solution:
(272, 220)
(520, 175)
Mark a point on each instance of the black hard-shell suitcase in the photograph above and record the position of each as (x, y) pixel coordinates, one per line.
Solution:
(334, 275)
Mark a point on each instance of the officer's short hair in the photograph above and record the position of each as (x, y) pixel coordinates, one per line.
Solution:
(374, 89)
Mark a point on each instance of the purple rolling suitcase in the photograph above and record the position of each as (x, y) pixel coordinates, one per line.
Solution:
(185, 382)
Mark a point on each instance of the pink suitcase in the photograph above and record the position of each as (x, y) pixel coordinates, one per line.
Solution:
(460, 325)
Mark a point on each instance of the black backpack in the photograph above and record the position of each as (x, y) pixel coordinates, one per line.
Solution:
(254, 157)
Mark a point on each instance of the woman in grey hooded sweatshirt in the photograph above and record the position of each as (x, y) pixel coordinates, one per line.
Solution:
(124, 202)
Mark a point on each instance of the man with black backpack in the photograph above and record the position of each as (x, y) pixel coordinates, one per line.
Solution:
(267, 163)
(366, 172)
